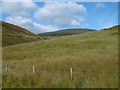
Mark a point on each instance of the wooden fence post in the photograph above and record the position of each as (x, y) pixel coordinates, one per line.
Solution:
(33, 69)
(71, 71)
(6, 67)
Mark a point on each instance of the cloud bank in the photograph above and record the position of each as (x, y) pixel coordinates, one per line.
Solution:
(19, 8)
(30, 25)
(62, 14)
(55, 15)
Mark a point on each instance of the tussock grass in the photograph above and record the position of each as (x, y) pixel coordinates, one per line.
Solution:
(93, 57)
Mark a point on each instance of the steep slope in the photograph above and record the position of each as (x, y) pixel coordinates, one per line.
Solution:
(12, 34)
(67, 32)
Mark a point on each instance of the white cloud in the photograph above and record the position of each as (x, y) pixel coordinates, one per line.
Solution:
(75, 23)
(30, 25)
(61, 14)
(15, 8)
(55, 15)
(100, 5)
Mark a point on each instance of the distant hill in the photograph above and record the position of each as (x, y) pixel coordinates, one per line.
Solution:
(12, 34)
(66, 32)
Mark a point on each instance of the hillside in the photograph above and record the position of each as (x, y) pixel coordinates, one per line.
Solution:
(116, 29)
(67, 32)
(112, 28)
(12, 34)
(93, 57)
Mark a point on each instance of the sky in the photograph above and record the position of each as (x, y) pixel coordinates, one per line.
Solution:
(40, 17)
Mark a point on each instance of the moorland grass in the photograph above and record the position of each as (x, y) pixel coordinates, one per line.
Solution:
(93, 57)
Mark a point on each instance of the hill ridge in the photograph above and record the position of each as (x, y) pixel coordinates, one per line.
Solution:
(66, 32)
(13, 34)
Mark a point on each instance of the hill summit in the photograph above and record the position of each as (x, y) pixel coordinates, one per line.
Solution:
(66, 32)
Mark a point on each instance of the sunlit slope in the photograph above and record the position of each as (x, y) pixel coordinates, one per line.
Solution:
(100, 40)
(13, 34)
(93, 56)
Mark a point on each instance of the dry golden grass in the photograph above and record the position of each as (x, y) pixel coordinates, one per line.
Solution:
(93, 57)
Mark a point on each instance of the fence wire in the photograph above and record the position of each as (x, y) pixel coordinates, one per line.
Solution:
(77, 76)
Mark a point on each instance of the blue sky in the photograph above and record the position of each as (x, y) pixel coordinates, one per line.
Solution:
(40, 17)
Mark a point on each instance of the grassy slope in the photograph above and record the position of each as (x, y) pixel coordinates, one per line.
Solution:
(92, 55)
(66, 32)
(13, 34)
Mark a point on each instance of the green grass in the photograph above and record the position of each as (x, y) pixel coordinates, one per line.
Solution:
(92, 55)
